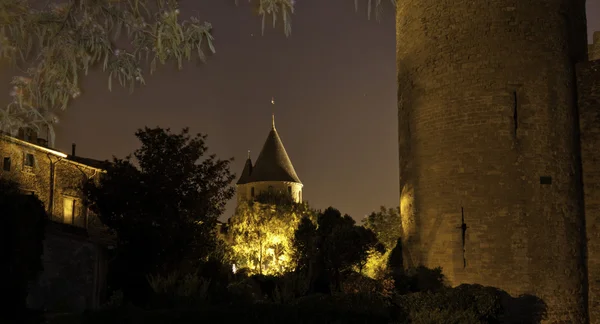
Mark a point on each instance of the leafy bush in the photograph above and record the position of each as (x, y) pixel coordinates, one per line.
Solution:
(179, 290)
(464, 304)
(419, 279)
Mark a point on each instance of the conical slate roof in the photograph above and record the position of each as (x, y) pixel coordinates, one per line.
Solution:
(245, 177)
(273, 163)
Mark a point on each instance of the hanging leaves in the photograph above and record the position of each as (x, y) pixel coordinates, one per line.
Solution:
(54, 46)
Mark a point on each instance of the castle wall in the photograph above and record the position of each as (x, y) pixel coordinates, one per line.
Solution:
(487, 130)
(244, 192)
(588, 81)
(71, 251)
(74, 273)
(67, 178)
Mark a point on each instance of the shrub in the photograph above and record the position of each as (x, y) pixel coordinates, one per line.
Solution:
(465, 304)
(179, 290)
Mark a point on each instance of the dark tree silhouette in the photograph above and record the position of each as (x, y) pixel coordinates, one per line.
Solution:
(333, 247)
(21, 246)
(164, 209)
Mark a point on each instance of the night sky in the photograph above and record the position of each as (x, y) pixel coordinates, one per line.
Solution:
(334, 83)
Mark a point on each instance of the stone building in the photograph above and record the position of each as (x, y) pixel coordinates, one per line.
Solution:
(498, 147)
(76, 243)
(273, 171)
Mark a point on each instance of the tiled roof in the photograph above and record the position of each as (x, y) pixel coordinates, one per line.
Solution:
(273, 162)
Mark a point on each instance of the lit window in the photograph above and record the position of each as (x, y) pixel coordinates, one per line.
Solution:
(29, 160)
(68, 210)
(6, 164)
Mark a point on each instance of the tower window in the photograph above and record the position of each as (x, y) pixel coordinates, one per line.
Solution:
(252, 192)
(515, 112)
(68, 210)
(29, 160)
(290, 190)
(6, 164)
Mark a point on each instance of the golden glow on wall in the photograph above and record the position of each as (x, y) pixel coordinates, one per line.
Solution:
(407, 212)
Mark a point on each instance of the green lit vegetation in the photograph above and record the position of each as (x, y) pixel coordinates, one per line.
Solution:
(261, 233)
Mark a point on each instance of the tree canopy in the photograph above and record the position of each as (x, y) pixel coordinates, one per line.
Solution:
(334, 246)
(386, 224)
(262, 230)
(163, 206)
(55, 43)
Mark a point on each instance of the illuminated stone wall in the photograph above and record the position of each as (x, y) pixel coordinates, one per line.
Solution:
(244, 192)
(73, 253)
(588, 77)
(488, 131)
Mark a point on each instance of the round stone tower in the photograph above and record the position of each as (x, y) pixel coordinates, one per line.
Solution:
(488, 143)
(273, 171)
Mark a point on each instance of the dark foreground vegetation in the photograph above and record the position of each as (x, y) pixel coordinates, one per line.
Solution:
(286, 264)
(260, 299)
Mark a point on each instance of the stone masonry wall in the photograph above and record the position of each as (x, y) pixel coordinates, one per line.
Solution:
(588, 81)
(69, 282)
(68, 178)
(244, 192)
(488, 135)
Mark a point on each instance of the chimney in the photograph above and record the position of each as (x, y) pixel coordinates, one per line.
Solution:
(73, 149)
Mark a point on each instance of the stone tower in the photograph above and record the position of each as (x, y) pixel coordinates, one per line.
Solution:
(490, 166)
(273, 171)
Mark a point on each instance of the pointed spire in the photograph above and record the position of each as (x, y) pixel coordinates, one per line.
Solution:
(273, 113)
(273, 162)
(245, 176)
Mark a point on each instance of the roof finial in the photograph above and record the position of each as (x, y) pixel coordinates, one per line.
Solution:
(273, 113)
(248, 154)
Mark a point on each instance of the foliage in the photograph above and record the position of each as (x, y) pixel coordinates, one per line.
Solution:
(312, 309)
(335, 246)
(164, 210)
(180, 290)
(22, 236)
(56, 43)
(420, 279)
(356, 283)
(465, 304)
(114, 301)
(376, 264)
(386, 224)
(262, 232)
